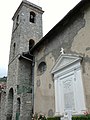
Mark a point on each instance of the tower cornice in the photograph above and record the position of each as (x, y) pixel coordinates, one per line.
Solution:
(28, 4)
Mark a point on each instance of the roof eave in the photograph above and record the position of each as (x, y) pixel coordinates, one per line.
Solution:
(61, 22)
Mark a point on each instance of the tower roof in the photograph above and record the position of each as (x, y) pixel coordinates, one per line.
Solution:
(28, 4)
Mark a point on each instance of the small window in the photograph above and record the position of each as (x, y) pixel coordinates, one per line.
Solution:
(17, 21)
(32, 17)
(31, 43)
(14, 47)
(18, 105)
(42, 67)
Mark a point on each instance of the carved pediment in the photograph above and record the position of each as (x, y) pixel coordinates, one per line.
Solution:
(64, 60)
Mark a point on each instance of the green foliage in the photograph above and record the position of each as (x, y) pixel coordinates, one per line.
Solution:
(4, 79)
(53, 118)
(42, 117)
(83, 117)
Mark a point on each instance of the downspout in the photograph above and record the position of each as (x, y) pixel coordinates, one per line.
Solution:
(32, 78)
(32, 75)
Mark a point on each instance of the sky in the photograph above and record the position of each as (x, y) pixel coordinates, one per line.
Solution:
(54, 11)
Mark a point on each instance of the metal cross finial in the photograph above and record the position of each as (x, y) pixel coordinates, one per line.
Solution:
(62, 51)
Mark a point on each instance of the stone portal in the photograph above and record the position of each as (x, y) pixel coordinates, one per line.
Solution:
(69, 93)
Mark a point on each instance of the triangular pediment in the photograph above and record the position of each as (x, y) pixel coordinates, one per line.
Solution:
(65, 60)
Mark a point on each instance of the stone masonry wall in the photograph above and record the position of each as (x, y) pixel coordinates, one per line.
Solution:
(3, 102)
(19, 71)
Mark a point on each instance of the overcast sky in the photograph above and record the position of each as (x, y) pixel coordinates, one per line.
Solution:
(55, 10)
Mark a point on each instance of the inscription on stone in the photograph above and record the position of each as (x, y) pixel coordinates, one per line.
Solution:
(68, 94)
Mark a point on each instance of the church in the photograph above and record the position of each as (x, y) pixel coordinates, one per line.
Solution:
(48, 75)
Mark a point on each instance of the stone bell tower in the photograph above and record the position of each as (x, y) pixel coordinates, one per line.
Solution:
(26, 32)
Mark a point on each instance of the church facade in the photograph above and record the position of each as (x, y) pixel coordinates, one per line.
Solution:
(48, 75)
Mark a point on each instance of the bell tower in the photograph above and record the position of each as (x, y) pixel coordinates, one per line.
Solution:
(27, 27)
(26, 32)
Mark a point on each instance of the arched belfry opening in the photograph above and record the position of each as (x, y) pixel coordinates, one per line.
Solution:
(31, 43)
(10, 105)
(32, 17)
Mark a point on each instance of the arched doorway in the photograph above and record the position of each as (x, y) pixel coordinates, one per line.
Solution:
(10, 104)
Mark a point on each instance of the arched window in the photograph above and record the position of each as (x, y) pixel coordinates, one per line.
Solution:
(31, 43)
(18, 105)
(14, 47)
(18, 109)
(32, 17)
(42, 67)
(17, 21)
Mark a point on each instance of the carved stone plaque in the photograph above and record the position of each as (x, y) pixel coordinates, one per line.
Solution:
(68, 93)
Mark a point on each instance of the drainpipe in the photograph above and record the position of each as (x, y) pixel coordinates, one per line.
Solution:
(32, 78)
(32, 74)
